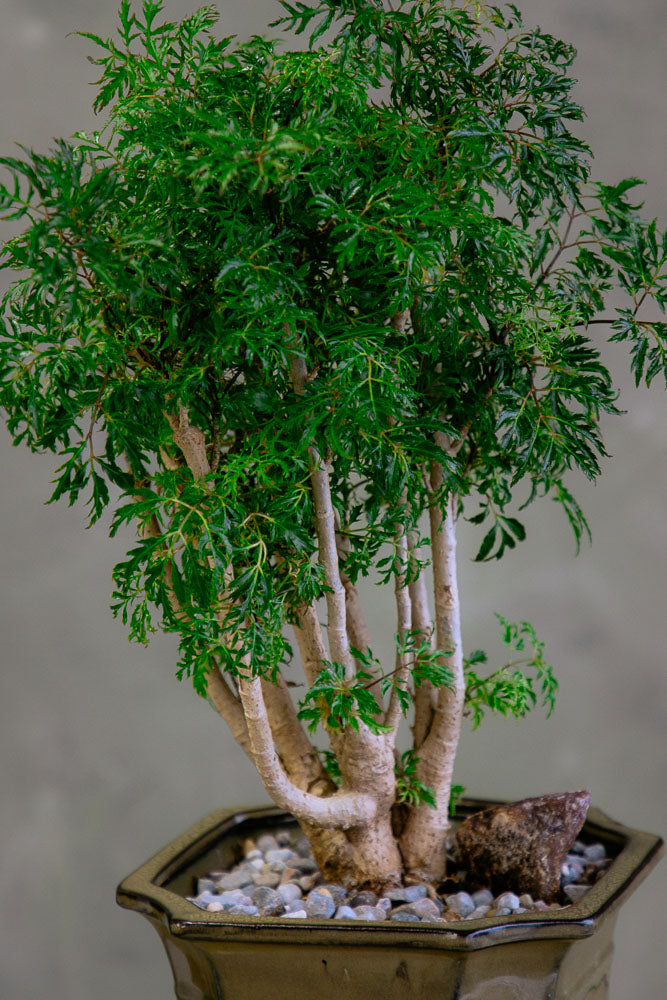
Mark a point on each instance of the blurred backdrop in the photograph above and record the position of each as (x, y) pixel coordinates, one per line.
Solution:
(105, 756)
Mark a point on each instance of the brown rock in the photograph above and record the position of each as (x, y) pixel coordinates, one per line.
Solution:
(520, 847)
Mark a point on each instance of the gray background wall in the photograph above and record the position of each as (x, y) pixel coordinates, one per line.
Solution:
(105, 757)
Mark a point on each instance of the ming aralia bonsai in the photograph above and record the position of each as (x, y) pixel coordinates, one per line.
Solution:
(305, 310)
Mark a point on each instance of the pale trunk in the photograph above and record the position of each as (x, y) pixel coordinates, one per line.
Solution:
(423, 839)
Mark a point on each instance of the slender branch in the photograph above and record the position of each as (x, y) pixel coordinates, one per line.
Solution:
(309, 637)
(366, 761)
(404, 623)
(326, 532)
(357, 630)
(343, 810)
(423, 840)
(426, 695)
(191, 441)
(299, 757)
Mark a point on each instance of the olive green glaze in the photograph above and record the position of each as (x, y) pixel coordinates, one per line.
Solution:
(563, 955)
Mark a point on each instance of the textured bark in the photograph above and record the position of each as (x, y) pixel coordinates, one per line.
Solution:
(426, 695)
(191, 442)
(310, 640)
(361, 754)
(297, 754)
(376, 858)
(342, 810)
(423, 839)
(404, 624)
(325, 523)
(357, 630)
(228, 706)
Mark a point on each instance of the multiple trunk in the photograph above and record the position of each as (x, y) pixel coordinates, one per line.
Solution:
(357, 834)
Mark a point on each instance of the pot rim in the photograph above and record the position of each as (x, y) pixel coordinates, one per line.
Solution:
(145, 891)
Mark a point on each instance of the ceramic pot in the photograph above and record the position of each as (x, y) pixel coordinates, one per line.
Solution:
(559, 955)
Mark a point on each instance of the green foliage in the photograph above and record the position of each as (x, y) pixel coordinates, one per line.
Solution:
(339, 703)
(409, 788)
(237, 192)
(513, 688)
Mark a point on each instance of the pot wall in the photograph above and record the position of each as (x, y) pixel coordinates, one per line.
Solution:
(560, 955)
(526, 970)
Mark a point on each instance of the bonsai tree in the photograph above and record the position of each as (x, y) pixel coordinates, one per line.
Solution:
(296, 313)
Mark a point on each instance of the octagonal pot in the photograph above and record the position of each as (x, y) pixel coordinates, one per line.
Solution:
(558, 955)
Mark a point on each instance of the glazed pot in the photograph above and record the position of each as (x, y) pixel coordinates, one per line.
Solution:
(558, 955)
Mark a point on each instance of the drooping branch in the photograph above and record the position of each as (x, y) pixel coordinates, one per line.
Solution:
(218, 693)
(299, 757)
(342, 810)
(296, 751)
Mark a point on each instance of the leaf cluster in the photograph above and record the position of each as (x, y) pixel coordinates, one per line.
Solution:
(245, 202)
(514, 688)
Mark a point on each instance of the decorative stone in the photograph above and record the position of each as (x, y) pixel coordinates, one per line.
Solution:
(284, 838)
(296, 914)
(521, 846)
(281, 854)
(479, 911)
(595, 852)
(345, 913)
(236, 879)
(410, 918)
(232, 896)
(267, 842)
(421, 908)
(302, 847)
(483, 897)
(509, 900)
(526, 900)
(575, 892)
(268, 901)
(203, 899)
(364, 898)
(571, 871)
(205, 885)
(319, 903)
(338, 893)
(289, 892)
(242, 911)
(366, 912)
(461, 903)
(270, 879)
(309, 882)
(305, 865)
(407, 894)
(215, 906)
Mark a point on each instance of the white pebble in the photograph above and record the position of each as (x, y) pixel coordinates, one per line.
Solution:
(507, 901)
(215, 907)
(296, 914)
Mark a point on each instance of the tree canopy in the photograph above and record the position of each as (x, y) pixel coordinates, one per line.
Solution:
(406, 208)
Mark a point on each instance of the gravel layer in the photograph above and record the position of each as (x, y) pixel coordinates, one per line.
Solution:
(278, 877)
